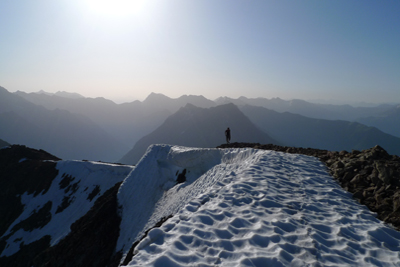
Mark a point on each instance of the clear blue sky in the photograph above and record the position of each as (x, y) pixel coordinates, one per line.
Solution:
(328, 49)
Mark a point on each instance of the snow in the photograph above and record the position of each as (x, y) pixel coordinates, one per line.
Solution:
(87, 176)
(237, 207)
(245, 207)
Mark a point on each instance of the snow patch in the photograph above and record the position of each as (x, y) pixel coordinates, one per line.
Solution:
(85, 178)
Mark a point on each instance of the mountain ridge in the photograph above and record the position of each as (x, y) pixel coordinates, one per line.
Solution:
(71, 135)
(301, 131)
(199, 127)
(127, 123)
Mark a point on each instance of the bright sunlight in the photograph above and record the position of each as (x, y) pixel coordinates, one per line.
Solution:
(116, 7)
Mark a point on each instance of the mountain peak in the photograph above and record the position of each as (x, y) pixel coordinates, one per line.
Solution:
(155, 97)
(199, 127)
(69, 95)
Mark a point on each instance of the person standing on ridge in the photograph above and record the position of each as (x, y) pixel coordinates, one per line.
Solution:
(228, 135)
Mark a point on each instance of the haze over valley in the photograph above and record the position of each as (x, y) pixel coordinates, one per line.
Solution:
(75, 127)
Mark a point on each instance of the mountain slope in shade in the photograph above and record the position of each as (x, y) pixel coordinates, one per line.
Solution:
(3, 143)
(126, 122)
(10, 102)
(388, 122)
(300, 131)
(200, 127)
(67, 134)
(156, 101)
(44, 202)
(311, 110)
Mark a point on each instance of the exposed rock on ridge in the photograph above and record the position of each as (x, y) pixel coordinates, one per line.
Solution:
(371, 175)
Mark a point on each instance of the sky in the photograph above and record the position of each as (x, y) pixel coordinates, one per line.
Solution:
(124, 50)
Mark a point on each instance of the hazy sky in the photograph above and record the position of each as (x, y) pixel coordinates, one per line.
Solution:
(124, 50)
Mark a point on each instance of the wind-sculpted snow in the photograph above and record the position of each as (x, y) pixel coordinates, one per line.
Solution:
(249, 208)
(70, 196)
(151, 192)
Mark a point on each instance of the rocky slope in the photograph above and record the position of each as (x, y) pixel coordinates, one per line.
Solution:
(78, 199)
(371, 175)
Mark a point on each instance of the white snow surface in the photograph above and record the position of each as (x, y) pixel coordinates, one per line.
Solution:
(246, 207)
(86, 177)
(237, 207)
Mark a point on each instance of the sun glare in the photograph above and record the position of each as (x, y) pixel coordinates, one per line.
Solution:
(116, 7)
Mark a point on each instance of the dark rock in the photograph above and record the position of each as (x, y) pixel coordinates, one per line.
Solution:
(181, 177)
(348, 176)
(92, 239)
(357, 179)
(22, 170)
(383, 171)
(359, 194)
(38, 219)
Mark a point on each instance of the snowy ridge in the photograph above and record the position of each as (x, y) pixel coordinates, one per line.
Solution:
(71, 195)
(153, 184)
(247, 208)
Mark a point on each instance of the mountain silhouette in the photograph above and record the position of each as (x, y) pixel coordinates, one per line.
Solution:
(123, 125)
(3, 143)
(388, 121)
(311, 110)
(336, 135)
(126, 122)
(200, 127)
(69, 135)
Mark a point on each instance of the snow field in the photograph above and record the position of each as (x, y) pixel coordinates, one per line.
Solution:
(265, 208)
(87, 176)
(151, 192)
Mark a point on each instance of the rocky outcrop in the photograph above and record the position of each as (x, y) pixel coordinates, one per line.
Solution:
(371, 175)
(92, 238)
(16, 164)
(24, 170)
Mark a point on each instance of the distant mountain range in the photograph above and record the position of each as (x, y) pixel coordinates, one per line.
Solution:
(75, 127)
(70, 135)
(200, 127)
(59, 93)
(387, 121)
(127, 122)
(300, 131)
(311, 110)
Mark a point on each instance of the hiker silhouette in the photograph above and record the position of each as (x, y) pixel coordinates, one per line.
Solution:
(228, 135)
